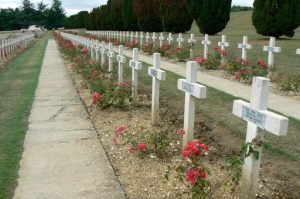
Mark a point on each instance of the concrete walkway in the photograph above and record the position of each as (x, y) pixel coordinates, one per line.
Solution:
(286, 105)
(63, 158)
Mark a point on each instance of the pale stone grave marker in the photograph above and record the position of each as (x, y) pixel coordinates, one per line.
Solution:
(147, 37)
(245, 46)
(161, 39)
(271, 49)
(141, 40)
(153, 39)
(110, 55)
(180, 40)
(298, 51)
(103, 52)
(121, 61)
(170, 39)
(157, 76)
(192, 90)
(223, 44)
(131, 37)
(206, 43)
(192, 42)
(257, 116)
(135, 65)
(136, 37)
(127, 36)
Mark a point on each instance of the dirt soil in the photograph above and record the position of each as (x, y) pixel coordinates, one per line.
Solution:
(144, 178)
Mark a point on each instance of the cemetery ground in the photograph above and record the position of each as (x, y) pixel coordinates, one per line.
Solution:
(17, 86)
(215, 126)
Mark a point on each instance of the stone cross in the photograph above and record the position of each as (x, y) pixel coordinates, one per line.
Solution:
(92, 49)
(257, 116)
(121, 61)
(135, 65)
(271, 49)
(245, 46)
(157, 76)
(124, 36)
(223, 43)
(192, 42)
(141, 39)
(298, 51)
(110, 55)
(192, 90)
(127, 35)
(147, 37)
(153, 38)
(97, 49)
(131, 37)
(206, 43)
(180, 40)
(161, 39)
(136, 37)
(170, 39)
(103, 52)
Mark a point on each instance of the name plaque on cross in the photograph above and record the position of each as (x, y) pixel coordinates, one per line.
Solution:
(153, 72)
(136, 65)
(254, 116)
(188, 87)
(121, 59)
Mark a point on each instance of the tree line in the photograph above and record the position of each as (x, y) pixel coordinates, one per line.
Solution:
(29, 14)
(270, 17)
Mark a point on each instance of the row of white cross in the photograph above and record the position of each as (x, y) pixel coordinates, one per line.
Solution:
(245, 46)
(7, 46)
(255, 112)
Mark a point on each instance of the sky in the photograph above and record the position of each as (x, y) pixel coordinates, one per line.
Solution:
(74, 6)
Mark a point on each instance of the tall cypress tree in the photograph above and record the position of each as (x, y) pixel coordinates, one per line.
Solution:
(276, 17)
(115, 11)
(129, 17)
(148, 16)
(56, 15)
(175, 16)
(211, 16)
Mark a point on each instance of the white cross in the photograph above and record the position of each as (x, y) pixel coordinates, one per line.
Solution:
(298, 51)
(97, 49)
(110, 55)
(124, 36)
(245, 46)
(147, 37)
(271, 49)
(137, 36)
(131, 37)
(121, 61)
(192, 90)
(103, 52)
(127, 35)
(170, 39)
(153, 37)
(206, 43)
(180, 40)
(92, 47)
(157, 76)
(223, 43)
(141, 39)
(161, 39)
(192, 40)
(257, 115)
(135, 65)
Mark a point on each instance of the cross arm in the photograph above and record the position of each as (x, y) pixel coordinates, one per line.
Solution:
(135, 64)
(194, 89)
(264, 119)
(159, 74)
(247, 46)
(272, 49)
(121, 58)
(298, 51)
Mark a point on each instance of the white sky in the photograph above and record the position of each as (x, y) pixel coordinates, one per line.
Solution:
(74, 6)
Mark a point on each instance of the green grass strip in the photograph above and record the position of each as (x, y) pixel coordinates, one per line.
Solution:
(17, 87)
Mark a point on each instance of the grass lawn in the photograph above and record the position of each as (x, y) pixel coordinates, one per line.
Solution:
(17, 87)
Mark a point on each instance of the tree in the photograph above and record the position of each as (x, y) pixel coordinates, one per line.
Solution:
(115, 9)
(276, 17)
(128, 15)
(175, 16)
(211, 16)
(148, 16)
(41, 16)
(56, 15)
(28, 13)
